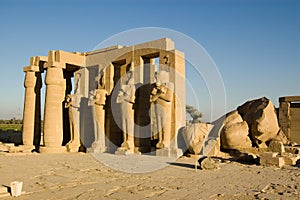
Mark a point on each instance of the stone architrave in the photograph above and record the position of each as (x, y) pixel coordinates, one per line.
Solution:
(74, 143)
(29, 108)
(125, 99)
(162, 97)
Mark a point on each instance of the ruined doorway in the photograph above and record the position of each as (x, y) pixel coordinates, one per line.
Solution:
(144, 113)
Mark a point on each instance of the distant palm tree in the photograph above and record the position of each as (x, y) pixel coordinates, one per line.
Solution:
(194, 113)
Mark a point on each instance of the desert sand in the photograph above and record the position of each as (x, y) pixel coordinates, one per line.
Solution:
(81, 176)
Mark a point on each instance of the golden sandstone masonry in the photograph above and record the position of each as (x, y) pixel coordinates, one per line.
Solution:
(81, 110)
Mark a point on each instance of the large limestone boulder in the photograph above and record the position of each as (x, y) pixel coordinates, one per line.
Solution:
(194, 135)
(261, 118)
(234, 134)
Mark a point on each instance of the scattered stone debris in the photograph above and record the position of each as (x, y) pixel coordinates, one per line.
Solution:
(278, 155)
(271, 190)
(208, 163)
(11, 148)
(4, 191)
(271, 159)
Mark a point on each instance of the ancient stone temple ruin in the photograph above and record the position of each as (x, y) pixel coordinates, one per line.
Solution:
(289, 120)
(118, 99)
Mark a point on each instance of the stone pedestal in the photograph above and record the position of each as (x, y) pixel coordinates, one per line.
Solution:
(126, 148)
(72, 147)
(97, 148)
(60, 149)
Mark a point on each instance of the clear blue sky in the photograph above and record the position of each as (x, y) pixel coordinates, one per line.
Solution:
(255, 44)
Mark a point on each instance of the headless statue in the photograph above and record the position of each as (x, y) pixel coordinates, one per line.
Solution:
(74, 143)
(99, 109)
(162, 97)
(125, 99)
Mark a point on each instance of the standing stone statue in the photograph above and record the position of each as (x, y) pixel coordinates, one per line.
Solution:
(162, 97)
(74, 143)
(100, 94)
(125, 99)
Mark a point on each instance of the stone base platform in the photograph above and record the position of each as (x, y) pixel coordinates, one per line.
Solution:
(169, 152)
(61, 149)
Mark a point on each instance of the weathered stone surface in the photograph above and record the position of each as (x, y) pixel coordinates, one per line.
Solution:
(289, 117)
(276, 146)
(4, 191)
(208, 163)
(90, 120)
(4, 147)
(262, 120)
(232, 118)
(235, 136)
(271, 159)
(291, 159)
(169, 152)
(291, 149)
(194, 136)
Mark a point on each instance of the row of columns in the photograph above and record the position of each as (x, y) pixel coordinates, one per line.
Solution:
(55, 95)
(54, 65)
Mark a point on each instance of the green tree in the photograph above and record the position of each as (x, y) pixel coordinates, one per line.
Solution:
(194, 113)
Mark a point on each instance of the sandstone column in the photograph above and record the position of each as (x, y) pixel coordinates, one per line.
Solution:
(53, 118)
(29, 108)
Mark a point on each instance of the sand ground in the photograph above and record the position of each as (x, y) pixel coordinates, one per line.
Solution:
(81, 176)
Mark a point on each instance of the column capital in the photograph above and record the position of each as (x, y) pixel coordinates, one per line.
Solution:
(55, 64)
(31, 68)
(35, 63)
(54, 76)
(30, 79)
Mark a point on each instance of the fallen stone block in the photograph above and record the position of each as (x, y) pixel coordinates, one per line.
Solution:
(208, 163)
(4, 191)
(194, 135)
(261, 118)
(290, 159)
(271, 159)
(276, 146)
(15, 149)
(4, 148)
(293, 150)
